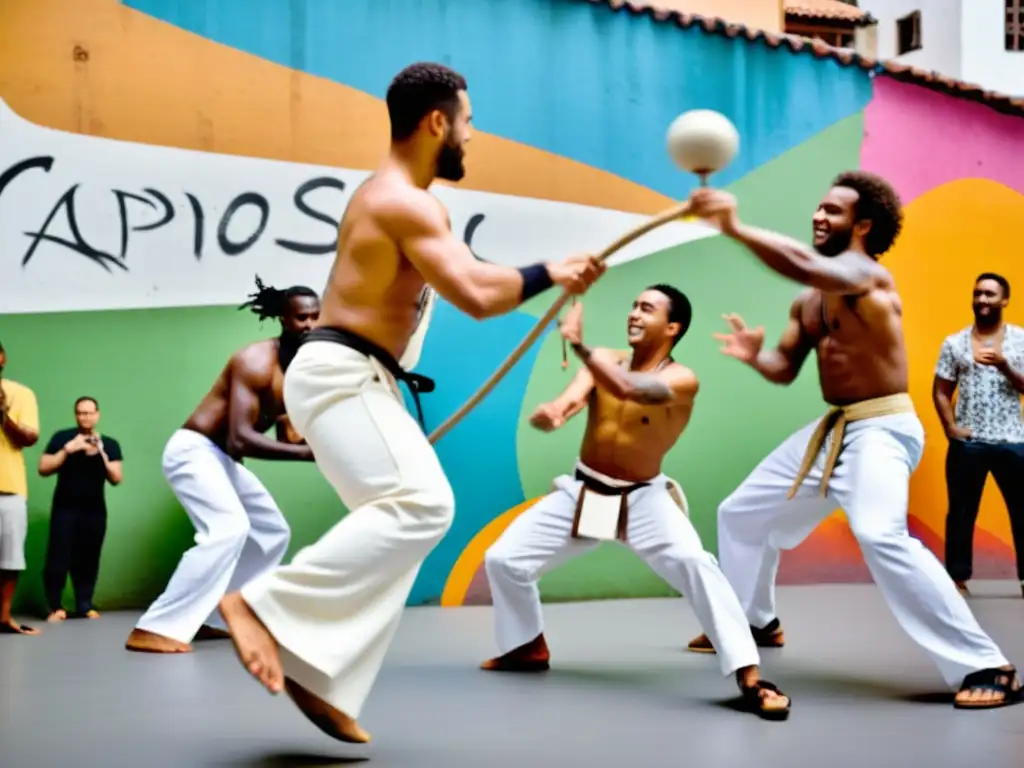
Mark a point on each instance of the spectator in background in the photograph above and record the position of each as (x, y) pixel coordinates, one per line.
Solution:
(84, 462)
(19, 429)
(984, 362)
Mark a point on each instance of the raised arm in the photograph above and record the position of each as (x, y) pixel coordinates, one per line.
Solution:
(247, 380)
(674, 385)
(417, 222)
(847, 274)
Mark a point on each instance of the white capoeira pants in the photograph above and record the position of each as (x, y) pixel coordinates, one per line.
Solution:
(240, 533)
(871, 484)
(335, 608)
(658, 530)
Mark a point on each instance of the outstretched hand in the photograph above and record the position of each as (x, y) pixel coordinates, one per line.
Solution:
(546, 418)
(743, 343)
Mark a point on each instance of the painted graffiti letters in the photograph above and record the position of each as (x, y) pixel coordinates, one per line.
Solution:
(471, 227)
(320, 182)
(152, 209)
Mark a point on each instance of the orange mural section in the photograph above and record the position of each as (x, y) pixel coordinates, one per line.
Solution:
(472, 557)
(97, 67)
(952, 234)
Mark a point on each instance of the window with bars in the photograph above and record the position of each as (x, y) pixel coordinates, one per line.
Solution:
(1015, 25)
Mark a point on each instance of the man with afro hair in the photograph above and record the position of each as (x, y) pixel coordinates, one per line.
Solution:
(861, 454)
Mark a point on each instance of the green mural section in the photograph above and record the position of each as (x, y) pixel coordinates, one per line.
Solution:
(148, 369)
(738, 417)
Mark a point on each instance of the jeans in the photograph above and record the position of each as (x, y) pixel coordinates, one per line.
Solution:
(968, 464)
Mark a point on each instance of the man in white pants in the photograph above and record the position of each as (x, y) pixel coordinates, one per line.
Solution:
(240, 532)
(861, 455)
(321, 626)
(639, 406)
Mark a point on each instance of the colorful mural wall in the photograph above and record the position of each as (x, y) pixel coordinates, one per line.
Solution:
(155, 156)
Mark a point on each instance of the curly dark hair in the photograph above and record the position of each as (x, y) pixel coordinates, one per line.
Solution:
(878, 203)
(418, 90)
(269, 301)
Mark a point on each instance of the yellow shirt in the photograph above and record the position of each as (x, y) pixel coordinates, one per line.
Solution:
(22, 408)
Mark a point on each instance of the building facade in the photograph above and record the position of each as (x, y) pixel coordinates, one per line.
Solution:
(980, 41)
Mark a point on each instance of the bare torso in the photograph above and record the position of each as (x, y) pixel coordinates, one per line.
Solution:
(373, 290)
(258, 363)
(628, 440)
(860, 344)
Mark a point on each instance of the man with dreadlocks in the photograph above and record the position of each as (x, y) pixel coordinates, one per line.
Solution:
(322, 625)
(240, 533)
(861, 454)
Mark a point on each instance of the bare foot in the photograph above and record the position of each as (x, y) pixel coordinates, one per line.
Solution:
(11, 627)
(59, 615)
(92, 614)
(334, 723)
(531, 657)
(142, 641)
(256, 647)
(211, 633)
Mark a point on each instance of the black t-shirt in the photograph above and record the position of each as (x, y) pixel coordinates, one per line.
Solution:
(81, 478)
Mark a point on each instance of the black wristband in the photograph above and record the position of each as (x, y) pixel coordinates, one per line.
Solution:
(535, 280)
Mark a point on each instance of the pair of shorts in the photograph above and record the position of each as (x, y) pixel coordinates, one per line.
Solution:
(13, 527)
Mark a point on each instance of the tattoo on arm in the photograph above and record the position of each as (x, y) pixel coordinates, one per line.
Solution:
(650, 390)
(582, 351)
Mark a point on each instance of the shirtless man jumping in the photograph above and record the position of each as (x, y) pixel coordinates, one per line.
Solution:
(240, 533)
(861, 455)
(321, 626)
(639, 406)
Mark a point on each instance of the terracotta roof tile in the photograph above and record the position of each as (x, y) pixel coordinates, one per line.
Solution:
(827, 10)
(848, 57)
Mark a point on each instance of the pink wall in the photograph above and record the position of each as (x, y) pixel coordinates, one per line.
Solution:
(920, 139)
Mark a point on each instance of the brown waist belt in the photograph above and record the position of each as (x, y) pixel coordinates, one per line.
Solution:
(835, 422)
(592, 484)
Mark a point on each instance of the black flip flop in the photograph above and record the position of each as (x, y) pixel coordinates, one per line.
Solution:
(996, 680)
(21, 629)
(755, 703)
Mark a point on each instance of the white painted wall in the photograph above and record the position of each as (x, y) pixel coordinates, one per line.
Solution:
(985, 58)
(961, 39)
(940, 32)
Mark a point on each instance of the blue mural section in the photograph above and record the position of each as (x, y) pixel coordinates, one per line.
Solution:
(479, 455)
(574, 78)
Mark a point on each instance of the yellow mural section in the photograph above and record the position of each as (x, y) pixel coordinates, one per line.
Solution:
(952, 233)
(97, 67)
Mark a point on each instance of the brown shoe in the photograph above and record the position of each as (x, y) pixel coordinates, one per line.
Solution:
(768, 636)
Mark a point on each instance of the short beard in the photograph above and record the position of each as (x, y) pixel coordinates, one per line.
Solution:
(837, 243)
(994, 318)
(450, 165)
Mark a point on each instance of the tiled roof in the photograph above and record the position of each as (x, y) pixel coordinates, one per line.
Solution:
(932, 80)
(827, 10)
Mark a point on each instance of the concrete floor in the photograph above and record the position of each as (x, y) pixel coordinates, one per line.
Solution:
(622, 693)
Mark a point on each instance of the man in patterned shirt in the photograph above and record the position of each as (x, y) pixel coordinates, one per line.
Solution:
(985, 362)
